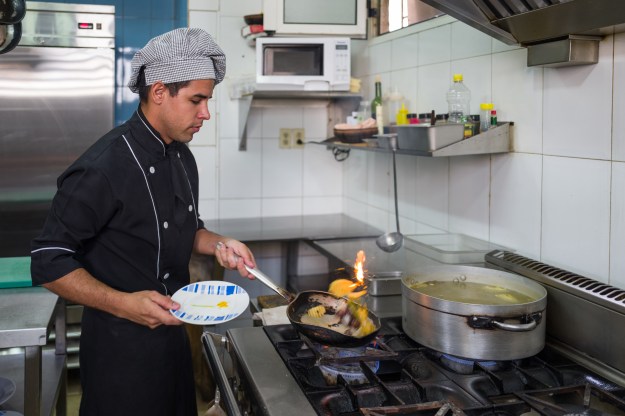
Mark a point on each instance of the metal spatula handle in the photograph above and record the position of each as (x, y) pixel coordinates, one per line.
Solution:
(269, 283)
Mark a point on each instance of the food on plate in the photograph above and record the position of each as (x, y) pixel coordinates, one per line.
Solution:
(317, 311)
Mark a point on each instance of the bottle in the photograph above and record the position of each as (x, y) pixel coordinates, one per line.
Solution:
(402, 115)
(493, 119)
(392, 104)
(363, 111)
(379, 118)
(458, 98)
(485, 109)
(377, 101)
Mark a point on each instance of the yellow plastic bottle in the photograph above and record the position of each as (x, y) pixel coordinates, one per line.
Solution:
(402, 115)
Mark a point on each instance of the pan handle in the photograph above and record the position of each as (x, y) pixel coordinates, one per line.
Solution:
(268, 282)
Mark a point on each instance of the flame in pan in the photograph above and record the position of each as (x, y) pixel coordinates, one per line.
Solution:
(346, 287)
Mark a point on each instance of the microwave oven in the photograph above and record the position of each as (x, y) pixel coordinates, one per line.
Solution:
(303, 64)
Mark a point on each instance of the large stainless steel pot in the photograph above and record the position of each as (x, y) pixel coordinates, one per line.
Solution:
(475, 331)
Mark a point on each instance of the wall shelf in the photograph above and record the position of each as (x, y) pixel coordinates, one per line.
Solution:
(339, 104)
(496, 140)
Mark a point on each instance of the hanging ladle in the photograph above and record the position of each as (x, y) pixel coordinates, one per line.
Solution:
(392, 241)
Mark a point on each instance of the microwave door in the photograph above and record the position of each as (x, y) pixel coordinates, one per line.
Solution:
(293, 60)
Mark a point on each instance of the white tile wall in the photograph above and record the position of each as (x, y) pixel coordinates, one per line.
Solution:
(404, 53)
(435, 45)
(576, 215)
(469, 186)
(467, 42)
(617, 226)
(515, 209)
(573, 97)
(432, 196)
(518, 97)
(618, 121)
(558, 198)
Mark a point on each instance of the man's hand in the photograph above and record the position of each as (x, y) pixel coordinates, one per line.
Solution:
(235, 255)
(149, 308)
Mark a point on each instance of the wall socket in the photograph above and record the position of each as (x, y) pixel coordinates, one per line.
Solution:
(285, 138)
(298, 138)
(292, 138)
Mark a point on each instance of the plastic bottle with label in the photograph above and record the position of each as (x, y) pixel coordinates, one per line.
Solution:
(402, 115)
(458, 99)
(493, 119)
(485, 109)
(392, 103)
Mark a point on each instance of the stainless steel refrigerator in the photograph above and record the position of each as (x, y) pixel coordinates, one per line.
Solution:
(56, 99)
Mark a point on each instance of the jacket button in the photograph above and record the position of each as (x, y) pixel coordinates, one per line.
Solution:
(165, 224)
(166, 276)
(190, 208)
(152, 170)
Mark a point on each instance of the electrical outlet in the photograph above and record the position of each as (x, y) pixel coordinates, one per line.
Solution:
(285, 138)
(299, 138)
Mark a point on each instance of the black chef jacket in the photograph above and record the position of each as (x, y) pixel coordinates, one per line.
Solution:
(126, 211)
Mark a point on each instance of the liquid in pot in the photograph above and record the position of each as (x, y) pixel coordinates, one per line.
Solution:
(473, 293)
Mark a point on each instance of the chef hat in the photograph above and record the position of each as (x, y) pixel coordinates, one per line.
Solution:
(180, 55)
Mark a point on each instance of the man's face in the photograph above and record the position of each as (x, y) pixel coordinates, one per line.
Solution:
(180, 117)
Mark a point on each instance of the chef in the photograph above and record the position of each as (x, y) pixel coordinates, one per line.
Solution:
(121, 230)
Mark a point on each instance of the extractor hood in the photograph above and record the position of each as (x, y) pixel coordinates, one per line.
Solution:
(556, 32)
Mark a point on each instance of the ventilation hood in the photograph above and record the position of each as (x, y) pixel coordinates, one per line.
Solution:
(556, 32)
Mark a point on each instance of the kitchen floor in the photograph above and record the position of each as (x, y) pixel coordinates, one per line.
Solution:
(74, 393)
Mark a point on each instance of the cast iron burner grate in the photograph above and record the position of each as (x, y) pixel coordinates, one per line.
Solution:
(396, 376)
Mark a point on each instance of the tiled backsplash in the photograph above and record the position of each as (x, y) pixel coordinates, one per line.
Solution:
(559, 197)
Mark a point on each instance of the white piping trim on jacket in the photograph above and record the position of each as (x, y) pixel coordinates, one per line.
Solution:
(151, 132)
(190, 190)
(53, 248)
(158, 231)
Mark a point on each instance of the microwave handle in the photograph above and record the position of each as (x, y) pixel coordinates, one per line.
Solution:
(219, 374)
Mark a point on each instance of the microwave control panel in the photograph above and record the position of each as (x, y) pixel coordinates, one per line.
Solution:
(342, 61)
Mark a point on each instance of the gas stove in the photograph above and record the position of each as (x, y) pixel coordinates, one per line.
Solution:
(274, 370)
(396, 376)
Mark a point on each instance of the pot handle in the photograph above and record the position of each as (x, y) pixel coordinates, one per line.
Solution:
(515, 327)
(486, 322)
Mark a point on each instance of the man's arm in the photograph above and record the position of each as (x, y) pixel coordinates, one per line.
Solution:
(231, 254)
(148, 308)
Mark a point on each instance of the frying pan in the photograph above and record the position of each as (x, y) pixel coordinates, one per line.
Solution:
(300, 304)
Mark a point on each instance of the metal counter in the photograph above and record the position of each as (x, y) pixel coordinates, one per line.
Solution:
(26, 319)
(300, 227)
(289, 231)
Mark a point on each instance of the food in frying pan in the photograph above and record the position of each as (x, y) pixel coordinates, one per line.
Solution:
(316, 311)
(345, 287)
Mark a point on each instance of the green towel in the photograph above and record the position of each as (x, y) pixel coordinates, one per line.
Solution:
(15, 272)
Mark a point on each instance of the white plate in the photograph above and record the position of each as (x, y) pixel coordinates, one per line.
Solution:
(7, 388)
(210, 303)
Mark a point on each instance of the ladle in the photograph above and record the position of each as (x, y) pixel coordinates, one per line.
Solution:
(392, 241)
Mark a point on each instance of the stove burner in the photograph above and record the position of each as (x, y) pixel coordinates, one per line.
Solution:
(352, 373)
(464, 365)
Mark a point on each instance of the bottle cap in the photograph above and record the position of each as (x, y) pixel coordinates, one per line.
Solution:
(493, 112)
(486, 106)
(457, 77)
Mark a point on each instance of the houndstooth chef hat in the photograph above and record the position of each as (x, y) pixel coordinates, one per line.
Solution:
(184, 54)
